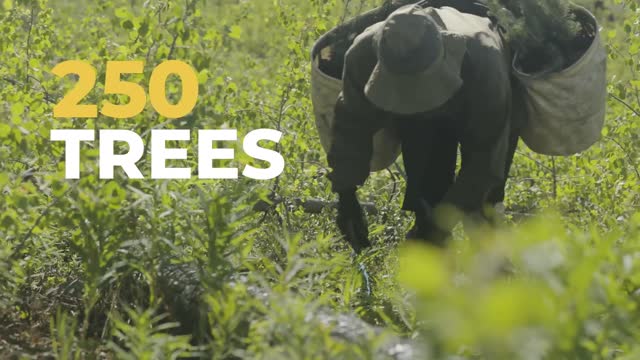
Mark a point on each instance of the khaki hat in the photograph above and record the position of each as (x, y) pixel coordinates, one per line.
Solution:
(419, 62)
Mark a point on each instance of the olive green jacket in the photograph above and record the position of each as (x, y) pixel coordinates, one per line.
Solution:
(480, 112)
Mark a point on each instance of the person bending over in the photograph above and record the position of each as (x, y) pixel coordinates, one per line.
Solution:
(441, 79)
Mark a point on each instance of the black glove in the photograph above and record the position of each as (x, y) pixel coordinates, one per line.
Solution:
(425, 227)
(351, 221)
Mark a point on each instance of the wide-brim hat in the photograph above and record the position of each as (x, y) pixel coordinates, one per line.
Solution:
(419, 62)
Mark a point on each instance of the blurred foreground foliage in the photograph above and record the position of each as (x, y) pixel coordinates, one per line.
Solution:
(151, 269)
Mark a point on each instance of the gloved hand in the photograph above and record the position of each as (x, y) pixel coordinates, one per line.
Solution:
(425, 227)
(351, 221)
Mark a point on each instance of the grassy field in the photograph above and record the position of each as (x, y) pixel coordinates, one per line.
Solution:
(154, 269)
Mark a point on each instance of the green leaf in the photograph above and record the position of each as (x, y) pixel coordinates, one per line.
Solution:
(17, 109)
(5, 130)
(235, 32)
(122, 12)
(144, 28)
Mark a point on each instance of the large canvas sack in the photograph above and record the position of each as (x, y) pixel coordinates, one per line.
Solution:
(566, 109)
(324, 93)
(326, 88)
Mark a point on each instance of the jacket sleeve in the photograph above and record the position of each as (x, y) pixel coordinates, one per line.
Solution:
(356, 120)
(485, 138)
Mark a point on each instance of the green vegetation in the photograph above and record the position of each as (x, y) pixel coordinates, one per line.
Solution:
(151, 269)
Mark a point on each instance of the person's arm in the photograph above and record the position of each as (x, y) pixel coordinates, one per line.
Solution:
(351, 148)
(484, 141)
(356, 120)
(349, 157)
(355, 123)
(483, 165)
